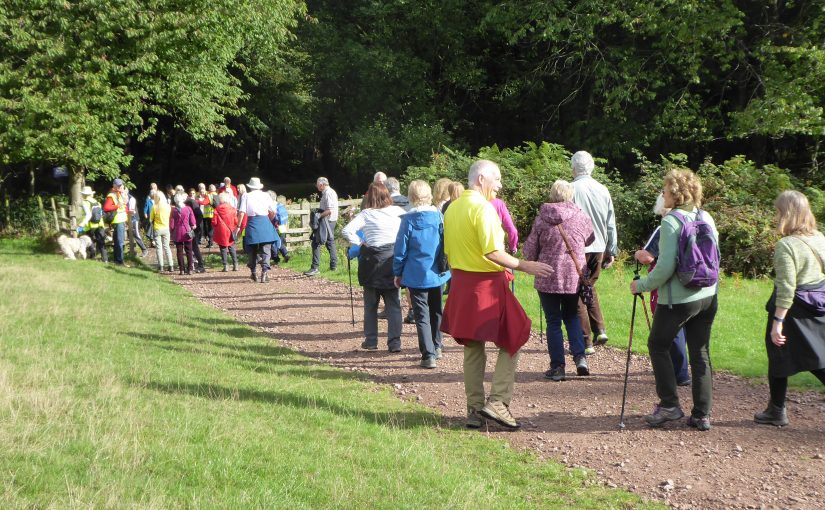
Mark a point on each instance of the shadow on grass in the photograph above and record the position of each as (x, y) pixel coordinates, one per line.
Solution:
(406, 419)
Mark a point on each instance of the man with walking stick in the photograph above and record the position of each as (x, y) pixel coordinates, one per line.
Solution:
(480, 307)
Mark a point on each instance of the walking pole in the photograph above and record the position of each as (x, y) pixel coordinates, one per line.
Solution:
(351, 299)
(541, 327)
(629, 346)
(642, 296)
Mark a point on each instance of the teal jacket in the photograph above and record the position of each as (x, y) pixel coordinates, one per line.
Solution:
(663, 276)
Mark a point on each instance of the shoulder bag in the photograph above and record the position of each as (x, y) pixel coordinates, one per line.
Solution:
(585, 290)
(812, 298)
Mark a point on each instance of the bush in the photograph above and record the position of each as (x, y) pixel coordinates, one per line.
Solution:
(24, 217)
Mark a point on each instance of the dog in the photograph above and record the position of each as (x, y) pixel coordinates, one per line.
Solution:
(71, 246)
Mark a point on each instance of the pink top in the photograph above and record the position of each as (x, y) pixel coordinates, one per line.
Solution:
(506, 223)
(546, 244)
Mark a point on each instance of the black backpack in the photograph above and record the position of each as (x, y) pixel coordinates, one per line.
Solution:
(97, 213)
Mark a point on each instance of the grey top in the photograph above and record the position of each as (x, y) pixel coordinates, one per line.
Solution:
(594, 199)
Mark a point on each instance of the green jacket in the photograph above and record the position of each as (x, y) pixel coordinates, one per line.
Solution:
(796, 264)
(663, 276)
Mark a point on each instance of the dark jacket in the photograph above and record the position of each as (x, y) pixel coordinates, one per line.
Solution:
(419, 248)
(375, 267)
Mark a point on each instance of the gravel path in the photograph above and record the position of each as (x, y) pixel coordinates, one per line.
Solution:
(737, 464)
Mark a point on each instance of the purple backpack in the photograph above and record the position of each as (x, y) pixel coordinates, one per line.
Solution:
(697, 256)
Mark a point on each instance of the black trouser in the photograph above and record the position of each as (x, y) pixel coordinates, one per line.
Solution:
(207, 230)
(779, 386)
(181, 248)
(282, 249)
(99, 238)
(697, 319)
(196, 247)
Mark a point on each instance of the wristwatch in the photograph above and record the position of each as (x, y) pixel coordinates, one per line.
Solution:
(777, 319)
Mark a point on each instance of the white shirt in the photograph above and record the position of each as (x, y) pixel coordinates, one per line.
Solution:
(329, 202)
(256, 203)
(132, 204)
(594, 199)
(379, 226)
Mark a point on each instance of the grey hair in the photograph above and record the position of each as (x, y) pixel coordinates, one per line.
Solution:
(160, 197)
(273, 195)
(659, 208)
(322, 180)
(392, 185)
(561, 191)
(180, 198)
(223, 198)
(379, 177)
(582, 163)
(481, 167)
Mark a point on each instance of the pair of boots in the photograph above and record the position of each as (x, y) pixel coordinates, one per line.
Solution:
(772, 415)
(234, 255)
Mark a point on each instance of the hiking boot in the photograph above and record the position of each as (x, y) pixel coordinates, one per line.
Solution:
(601, 338)
(312, 272)
(555, 374)
(581, 365)
(253, 277)
(499, 412)
(264, 276)
(589, 351)
(662, 415)
(225, 268)
(772, 415)
(234, 266)
(394, 348)
(474, 419)
(382, 315)
(286, 258)
(702, 423)
(439, 353)
(428, 363)
(200, 269)
(409, 319)
(368, 347)
(686, 382)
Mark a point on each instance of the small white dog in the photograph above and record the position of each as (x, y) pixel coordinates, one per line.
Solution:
(71, 246)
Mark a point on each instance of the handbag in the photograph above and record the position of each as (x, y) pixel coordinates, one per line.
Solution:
(812, 298)
(585, 290)
(232, 233)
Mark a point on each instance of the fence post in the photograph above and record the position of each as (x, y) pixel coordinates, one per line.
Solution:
(8, 212)
(54, 214)
(44, 218)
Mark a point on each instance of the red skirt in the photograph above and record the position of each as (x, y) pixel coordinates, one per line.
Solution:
(481, 308)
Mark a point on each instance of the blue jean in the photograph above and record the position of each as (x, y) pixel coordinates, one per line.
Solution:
(678, 354)
(560, 308)
(426, 308)
(392, 305)
(118, 236)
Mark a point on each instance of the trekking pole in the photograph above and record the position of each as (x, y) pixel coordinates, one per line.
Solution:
(629, 346)
(642, 296)
(541, 327)
(351, 299)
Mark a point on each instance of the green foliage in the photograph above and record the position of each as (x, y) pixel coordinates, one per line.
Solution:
(24, 217)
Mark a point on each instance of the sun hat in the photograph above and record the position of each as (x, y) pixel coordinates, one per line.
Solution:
(87, 190)
(254, 183)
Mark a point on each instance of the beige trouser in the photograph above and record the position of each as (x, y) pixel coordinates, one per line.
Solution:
(475, 363)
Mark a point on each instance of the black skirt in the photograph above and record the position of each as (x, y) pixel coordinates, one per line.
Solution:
(804, 349)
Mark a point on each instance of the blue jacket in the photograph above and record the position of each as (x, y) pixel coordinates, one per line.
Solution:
(282, 214)
(419, 250)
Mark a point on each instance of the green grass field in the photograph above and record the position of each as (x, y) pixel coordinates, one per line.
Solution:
(737, 342)
(118, 389)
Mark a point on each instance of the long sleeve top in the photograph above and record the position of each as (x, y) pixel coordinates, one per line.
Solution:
(506, 224)
(379, 226)
(594, 199)
(796, 264)
(663, 276)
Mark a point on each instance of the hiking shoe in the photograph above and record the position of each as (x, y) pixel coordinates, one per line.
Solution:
(286, 258)
(589, 351)
(253, 277)
(555, 374)
(368, 347)
(428, 363)
(234, 267)
(264, 276)
(499, 412)
(225, 268)
(662, 415)
(772, 415)
(581, 365)
(474, 419)
(200, 269)
(394, 348)
(382, 315)
(686, 382)
(312, 272)
(601, 339)
(439, 353)
(409, 319)
(702, 423)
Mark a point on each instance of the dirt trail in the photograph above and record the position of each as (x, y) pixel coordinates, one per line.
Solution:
(737, 464)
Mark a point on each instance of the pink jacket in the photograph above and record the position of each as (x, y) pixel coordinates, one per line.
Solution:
(506, 224)
(546, 244)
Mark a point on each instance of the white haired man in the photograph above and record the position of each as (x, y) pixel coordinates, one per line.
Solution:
(480, 307)
(324, 235)
(594, 199)
(380, 177)
(394, 187)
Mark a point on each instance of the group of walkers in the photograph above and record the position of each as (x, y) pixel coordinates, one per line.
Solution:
(208, 216)
(462, 242)
(456, 236)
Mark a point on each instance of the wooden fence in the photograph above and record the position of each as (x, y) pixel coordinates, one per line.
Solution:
(299, 230)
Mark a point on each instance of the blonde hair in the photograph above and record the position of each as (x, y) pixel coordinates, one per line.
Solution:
(454, 190)
(793, 214)
(684, 186)
(561, 191)
(241, 189)
(440, 190)
(419, 193)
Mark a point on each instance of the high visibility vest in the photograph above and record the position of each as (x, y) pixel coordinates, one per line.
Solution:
(121, 215)
(208, 210)
(88, 203)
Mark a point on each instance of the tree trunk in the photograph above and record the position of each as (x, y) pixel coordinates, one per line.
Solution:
(76, 177)
(32, 178)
